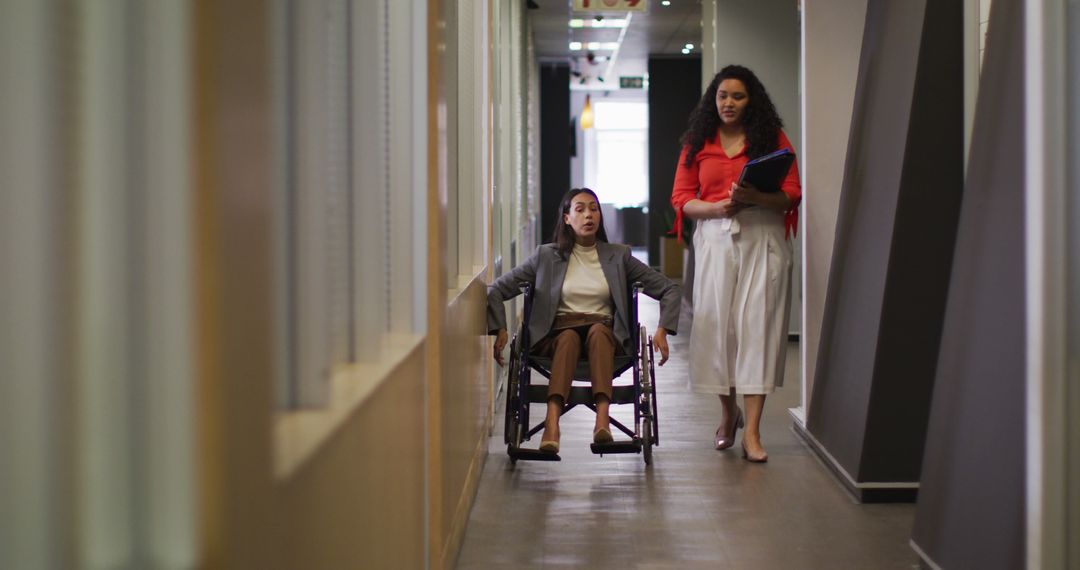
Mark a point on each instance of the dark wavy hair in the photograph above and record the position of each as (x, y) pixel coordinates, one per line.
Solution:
(761, 123)
(563, 236)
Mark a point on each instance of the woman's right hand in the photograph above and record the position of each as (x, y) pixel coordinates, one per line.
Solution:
(728, 208)
(500, 344)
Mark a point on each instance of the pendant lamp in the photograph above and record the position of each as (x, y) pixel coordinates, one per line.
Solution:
(587, 115)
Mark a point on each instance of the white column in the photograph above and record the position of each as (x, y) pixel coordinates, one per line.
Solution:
(1072, 435)
(30, 360)
(371, 166)
(104, 295)
(168, 505)
(831, 42)
(1046, 258)
(708, 42)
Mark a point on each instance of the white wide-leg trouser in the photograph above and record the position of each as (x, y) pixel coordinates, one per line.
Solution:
(742, 295)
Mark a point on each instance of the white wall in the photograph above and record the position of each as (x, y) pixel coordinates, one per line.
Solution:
(577, 103)
(764, 36)
(831, 42)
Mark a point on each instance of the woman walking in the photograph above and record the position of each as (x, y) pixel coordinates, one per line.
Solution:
(742, 273)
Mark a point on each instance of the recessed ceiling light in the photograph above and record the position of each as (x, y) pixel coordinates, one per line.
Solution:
(685, 51)
(666, 3)
(604, 23)
(575, 46)
(689, 46)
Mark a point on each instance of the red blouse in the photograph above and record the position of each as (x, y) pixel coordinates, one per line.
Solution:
(713, 172)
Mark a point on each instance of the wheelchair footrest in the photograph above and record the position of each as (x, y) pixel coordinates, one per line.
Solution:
(532, 454)
(616, 447)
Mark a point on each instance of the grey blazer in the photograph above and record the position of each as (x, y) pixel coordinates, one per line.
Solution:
(545, 271)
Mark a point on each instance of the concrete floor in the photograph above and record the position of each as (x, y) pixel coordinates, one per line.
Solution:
(693, 508)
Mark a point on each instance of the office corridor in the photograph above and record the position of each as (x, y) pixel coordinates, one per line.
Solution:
(245, 249)
(693, 508)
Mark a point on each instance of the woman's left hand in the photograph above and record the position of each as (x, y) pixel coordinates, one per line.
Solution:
(660, 342)
(749, 195)
(745, 194)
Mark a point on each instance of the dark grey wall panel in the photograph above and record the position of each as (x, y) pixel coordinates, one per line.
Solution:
(554, 142)
(674, 90)
(971, 503)
(895, 232)
(920, 261)
(882, 109)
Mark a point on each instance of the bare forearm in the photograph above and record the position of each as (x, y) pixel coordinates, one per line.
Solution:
(700, 210)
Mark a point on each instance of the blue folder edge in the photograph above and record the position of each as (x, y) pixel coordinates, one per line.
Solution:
(767, 172)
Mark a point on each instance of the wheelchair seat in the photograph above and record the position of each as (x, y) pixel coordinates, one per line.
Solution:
(581, 373)
(582, 395)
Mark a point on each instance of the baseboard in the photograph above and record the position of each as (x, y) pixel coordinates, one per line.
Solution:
(456, 536)
(924, 560)
(799, 416)
(890, 492)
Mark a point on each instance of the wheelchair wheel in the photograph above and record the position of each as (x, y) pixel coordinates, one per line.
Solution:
(512, 423)
(508, 411)
(648, 392)
(646, 440)
(654, 410)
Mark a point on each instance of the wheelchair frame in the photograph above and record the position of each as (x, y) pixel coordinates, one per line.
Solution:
(520, 392)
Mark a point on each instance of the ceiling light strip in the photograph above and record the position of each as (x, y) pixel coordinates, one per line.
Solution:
(618, 46)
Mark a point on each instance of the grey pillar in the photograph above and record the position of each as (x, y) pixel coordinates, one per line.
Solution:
(971, 504)
(896, 227)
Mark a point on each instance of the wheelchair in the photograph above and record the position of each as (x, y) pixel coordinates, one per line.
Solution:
(520, 392)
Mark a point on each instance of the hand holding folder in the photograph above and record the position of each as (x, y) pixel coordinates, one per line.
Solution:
(767, 173)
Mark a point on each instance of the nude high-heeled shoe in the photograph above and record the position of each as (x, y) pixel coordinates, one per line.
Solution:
(756, 458)
(723, 440)
(550, 445)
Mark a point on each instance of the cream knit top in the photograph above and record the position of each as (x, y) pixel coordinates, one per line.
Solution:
(585, 290)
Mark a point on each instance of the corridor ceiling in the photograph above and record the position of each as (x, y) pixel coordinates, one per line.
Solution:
(658, 30)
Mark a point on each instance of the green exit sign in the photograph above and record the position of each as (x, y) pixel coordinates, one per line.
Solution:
(627, 82)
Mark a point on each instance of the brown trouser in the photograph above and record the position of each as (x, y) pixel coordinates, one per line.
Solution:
(564, 346)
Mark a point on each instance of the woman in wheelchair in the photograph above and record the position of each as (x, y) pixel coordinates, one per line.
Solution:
(580, 284)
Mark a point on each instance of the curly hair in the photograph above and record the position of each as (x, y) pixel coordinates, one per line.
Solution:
(761, 123)
(563, 236)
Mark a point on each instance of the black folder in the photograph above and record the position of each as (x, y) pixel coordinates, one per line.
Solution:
(766, 173)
